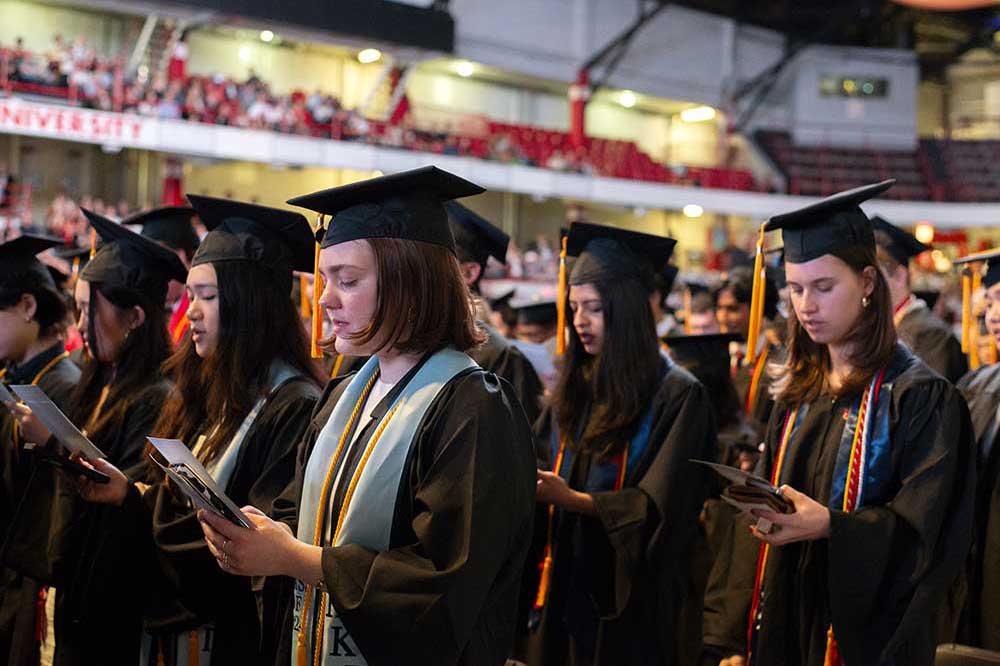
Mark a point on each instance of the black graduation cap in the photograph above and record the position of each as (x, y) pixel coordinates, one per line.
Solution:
(131, 262)
(278, 239)
(535, 309)
(170, 225)
(18, 265)
(669, 275)
(503, 300)
(899, 243)
(406, 205)
(77, 257)
(702, 350)
(476, 235)
(991, 274)
(827, 226)
(608, 253)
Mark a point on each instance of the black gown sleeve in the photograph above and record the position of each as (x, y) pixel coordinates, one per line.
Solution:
(655, 521)
(263, 469)
(472, 484)
(890, 565)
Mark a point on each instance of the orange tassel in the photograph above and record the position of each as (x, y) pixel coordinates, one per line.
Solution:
(561, 303)
(966, 308)
(93, 242)
(757, 300)
(977, 283)
(305, 307)
(317, 318)
(687, 311)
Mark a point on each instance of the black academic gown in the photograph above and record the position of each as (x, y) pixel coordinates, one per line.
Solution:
(20, 594)
(981, 621)
(192, 590)
(445, 591)
(933, 342)
(98, 622)
(623, 581)
(882, 575)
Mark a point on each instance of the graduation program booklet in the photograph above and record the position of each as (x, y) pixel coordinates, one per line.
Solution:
(749, 492)
(194, 480)
(52, 418)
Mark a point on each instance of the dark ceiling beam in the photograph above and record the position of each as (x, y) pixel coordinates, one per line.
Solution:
(618, 46)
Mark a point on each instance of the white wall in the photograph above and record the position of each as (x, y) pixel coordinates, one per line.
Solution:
(37, 24)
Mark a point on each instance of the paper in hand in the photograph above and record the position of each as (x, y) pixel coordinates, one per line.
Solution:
(52, 418)
(191, 477)
(5, 395)
(750, 493)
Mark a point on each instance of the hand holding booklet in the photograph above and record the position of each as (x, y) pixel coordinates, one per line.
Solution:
(191, 477)
(52, 418)
(750, 493)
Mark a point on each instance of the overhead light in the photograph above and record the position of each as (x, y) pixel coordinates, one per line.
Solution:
(266, 35)
(368, 56)
(244, 53)
(697, 114)
(627, 99)
(465, 69)
(693, 210)
(924, 233)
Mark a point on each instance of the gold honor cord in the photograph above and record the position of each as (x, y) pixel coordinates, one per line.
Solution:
(317, 538)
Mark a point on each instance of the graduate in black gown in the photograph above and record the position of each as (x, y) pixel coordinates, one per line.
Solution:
(872, 449)
(476, 240)
(980, 624)
(120, 295)
(414, 497)
(749, 369)
(918, 328)
(33, 319)
(617, 570)
(244, 391)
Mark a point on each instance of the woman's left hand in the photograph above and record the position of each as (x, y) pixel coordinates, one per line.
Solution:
(553, 489)
(261, 551)
(809, 521)
(31, 428)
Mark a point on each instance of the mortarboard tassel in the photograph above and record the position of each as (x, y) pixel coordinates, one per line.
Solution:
(687, 311)
(305, 307)
(757, 300)
(561, 303)
(977, 283)
(75, 269)
(317, 319)
(966, 308)
(93, 242)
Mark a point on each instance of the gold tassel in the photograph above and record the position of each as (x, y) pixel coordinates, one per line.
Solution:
(966, 308)
(305, 307)
(75, 269)
(757, 300)
(93, 242)
(977, 283)
(687, 311)
(317, 318)
(561, 302)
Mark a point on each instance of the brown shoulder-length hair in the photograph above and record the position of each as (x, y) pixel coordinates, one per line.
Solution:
(422, 302)
(617, 384)
(802, 378)
(258, 324)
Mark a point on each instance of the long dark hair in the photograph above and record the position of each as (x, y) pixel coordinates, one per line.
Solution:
(258, 324)
(136, 367)
(802, 378)
(619, 382)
